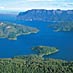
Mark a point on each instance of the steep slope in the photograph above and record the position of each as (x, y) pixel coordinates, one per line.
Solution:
(46, 15)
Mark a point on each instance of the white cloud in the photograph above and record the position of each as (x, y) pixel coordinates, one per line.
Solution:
(53, 0)
(2, 7)
(35, 4)
(40, 0)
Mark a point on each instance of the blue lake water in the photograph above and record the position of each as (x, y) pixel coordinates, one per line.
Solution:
(22, 46)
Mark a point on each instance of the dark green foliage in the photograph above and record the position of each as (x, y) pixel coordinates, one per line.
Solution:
(21, 65)
(62, 26)
(44, 50)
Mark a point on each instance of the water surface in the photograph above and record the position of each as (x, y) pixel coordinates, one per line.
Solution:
(22, 46)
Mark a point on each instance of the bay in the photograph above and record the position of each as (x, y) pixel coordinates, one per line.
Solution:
(22, 46)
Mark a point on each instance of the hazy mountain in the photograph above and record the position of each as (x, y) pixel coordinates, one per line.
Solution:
(8, 12)
(46, 15)
(7, 17)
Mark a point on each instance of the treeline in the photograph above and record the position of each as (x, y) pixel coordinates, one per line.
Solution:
(62, 26)
(34, 64)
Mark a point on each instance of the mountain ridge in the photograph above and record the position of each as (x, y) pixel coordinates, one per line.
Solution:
(46, 15)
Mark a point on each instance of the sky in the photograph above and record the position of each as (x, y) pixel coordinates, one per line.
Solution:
(23, 5)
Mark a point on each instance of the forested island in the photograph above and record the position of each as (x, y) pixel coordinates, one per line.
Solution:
(44, 50)
(11, 30)
(62, 26)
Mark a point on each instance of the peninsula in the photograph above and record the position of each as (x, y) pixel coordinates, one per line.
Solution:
(11, 30)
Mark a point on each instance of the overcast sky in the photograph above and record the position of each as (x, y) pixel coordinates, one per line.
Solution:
(22, 5)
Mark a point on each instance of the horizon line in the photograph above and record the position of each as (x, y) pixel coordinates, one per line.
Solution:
(36, 9)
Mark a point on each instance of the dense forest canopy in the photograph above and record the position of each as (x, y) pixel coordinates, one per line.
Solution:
(34, 64)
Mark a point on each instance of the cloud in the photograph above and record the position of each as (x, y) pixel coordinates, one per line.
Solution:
(35, 4)
(2, 7)
(71, 4)
(52, 0)
(40, 0)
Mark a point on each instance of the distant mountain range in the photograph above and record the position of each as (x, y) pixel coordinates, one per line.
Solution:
(8, 12)
(7, 17)
(46, 15)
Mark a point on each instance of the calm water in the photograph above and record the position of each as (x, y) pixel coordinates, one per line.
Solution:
(62, 40)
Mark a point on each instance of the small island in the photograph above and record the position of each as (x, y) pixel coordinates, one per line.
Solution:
(44, 50)
(39, 52)
(11, 30)
(62, 26)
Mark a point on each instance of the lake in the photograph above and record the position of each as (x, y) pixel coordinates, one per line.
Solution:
(22, 46)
